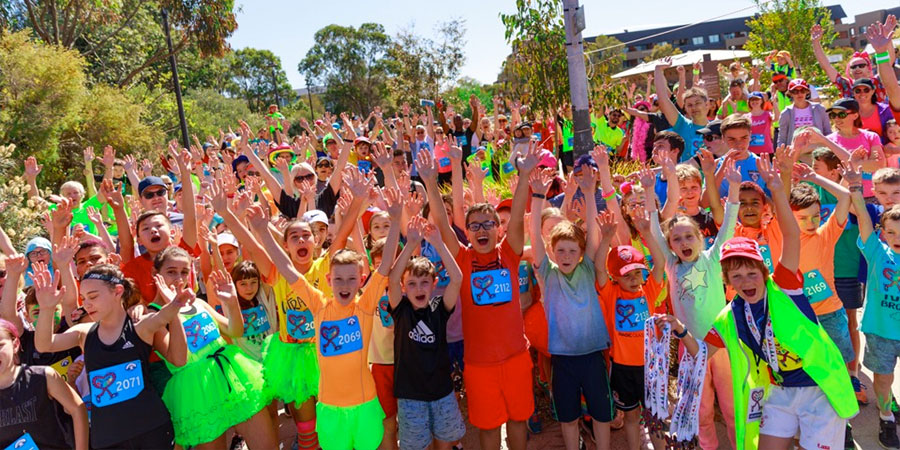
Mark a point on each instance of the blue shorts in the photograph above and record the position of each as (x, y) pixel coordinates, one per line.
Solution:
(850, 291)
(881, 354)
(422, 421)
(577, 376)
(835, 324)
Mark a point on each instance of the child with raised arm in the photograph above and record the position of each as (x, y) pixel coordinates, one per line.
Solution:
(578, 338)
(427, 406)
(348, 412)
(771, 325)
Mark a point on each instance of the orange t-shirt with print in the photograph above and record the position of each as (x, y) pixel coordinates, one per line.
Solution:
(493, 329)
(817, 265)
(342, 342)
(625, 314)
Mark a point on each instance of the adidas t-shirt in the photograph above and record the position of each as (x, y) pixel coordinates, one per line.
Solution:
(421, 360)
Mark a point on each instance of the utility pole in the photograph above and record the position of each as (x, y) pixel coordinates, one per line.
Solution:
(573, 17)
(312, 115)
(174, 66)
(275, 85)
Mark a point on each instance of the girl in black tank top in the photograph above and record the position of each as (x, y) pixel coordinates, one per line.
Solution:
(126, 411)
(31, 401)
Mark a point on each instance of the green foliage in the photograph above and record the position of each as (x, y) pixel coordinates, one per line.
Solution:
(537, 36)
(20, 219)
(208, 111)
(459, 95)
(661, 51)
(785, 25)
(41, 92)
(254, 74)
(352, 64)
(420, 66)
(601, 66)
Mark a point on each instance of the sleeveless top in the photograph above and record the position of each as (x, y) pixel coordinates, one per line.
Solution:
(123, 404)
(26, 407)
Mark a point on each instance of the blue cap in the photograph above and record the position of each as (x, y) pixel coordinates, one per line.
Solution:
(757, 94)
(176, 188)
(238, 160)
(584, 160)
(149, 182)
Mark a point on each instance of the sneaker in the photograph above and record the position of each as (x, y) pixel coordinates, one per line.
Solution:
(887, 434)
(535, 426)
(860, 390)
(848, 438)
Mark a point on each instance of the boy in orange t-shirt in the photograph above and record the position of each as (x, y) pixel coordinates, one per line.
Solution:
(348, 412)
(817, 243)
(626, 307)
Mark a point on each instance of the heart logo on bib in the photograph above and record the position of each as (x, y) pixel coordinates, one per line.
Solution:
(329, 334)
(625, 312)
(297, 322)
(103, 383)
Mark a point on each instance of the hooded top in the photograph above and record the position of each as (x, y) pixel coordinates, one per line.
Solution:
(34, 244)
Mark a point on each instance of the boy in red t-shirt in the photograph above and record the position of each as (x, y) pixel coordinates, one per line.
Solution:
(497, 364)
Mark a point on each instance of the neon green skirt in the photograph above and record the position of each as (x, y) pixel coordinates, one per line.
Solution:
(291, 371)
(359, 427)
(210, 395)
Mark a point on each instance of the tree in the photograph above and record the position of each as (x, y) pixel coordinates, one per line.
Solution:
(466, 87)
(92, 26)
(420, 66)
(20, 216)
(661, 51)
(252, 72)
(208, 111)
(351, 63)
(601, 66)
(537, 35)
(797, 17)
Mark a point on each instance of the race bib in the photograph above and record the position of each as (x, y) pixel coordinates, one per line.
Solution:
(571, 141)
(815, 287)
(87, 404)
(116, 384)
(339, 337)
(386, 320)
(23, 443)
(462, 141)
(444, 162)
(757, 140)
(300, 324)
(364, 166)
(62, 367)
(491, 287)
(755, 402)
(255, 321)
(766, 254)
(200, 330)
(429, 252)
(825, 212)
(631, 314)
(524, 278)
(508, 168)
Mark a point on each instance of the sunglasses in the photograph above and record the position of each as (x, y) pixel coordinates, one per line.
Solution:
(302, 178)
(838, 115)
(859, 66)
(252, 174)
(862, 90)
(799, 91)
(711, 137)
(478, 226)
(150, 195)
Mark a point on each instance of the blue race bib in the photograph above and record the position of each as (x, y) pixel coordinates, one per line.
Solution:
(766, 254)
(300, 324)
(429, 252)
(524, 277)
(116, 384)
(508, 168)
(491, 287)
(444, 162)
(757, 140)
(87, 404)
(200, 330)
(364, 166)
(825, 212)
(255, 321)
(815, 287)
(386, 320)
(462, 141)
(23, 443)
(339, 337)
(631, 314)
(571, 141)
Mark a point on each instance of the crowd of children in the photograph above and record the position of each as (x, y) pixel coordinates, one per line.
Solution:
(331, 275)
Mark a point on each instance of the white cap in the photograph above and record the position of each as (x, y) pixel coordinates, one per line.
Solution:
(315, 215)
(227, 239)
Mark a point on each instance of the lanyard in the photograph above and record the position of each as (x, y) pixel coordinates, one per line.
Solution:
(656, 377)
(686, 418)
(768, 345)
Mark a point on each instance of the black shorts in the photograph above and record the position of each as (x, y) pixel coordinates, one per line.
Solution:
(574, 376)
(161, 437)
(849, 290)
(627, 383)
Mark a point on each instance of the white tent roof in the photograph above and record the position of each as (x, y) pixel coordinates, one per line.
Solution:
(871, 50)
(686, 59)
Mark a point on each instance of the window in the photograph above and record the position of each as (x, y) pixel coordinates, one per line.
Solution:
(698, 40)
(729, 35)
(713, 38)
(862, 29)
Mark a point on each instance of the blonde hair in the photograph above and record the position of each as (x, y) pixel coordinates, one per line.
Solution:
(346, 258)
(685, 172)
(668, 225)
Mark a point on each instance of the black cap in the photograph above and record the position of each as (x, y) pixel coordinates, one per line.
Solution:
(714, 127)
(845, 104)
(864, 82)
(524, 124)
(150, 182)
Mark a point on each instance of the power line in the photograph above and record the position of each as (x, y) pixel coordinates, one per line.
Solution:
(676, 29)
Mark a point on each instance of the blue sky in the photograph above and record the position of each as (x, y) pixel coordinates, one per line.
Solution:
(298, 20)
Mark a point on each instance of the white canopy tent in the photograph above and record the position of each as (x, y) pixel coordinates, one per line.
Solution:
(871, 50)
(686, 59)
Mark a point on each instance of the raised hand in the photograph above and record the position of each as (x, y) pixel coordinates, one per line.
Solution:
(588, 180)
(707, 162)
(109, 156)
(356, 182)
(816, 33)
(32, 168)
(600, 153)
(475, 173)
(61, 217)
(416, 229)
(217, 197)
(257, 219)
(640, 218)
(426, 165)
(646, 177)
(432, 234)
(16, 265)
(224, 288)
(383, 157)
(64, 252)
(414, 204)
(732, 174)
(769, 174)
(394, 201)
(851, 171)
(130, 166)
(88, 155)
(607, 224)
(45, 288)
(539, 182)
(531, 159)
(785, 157)
(802, 172)
(665, 63)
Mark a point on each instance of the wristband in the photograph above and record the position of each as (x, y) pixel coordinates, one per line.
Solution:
(696, 72)
(608, 195)
(882, 57)
(855, 188)
(680, 335)
(540, 196)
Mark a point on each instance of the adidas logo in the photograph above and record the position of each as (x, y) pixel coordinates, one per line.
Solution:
(422, 334)
(127, 344)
